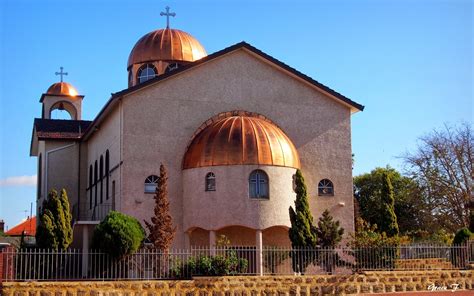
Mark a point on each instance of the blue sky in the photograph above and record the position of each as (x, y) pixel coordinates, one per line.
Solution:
(409, 62)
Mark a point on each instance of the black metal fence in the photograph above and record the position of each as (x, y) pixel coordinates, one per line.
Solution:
(73, 264)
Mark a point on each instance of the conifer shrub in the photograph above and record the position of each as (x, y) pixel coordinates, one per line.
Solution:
(302, 232)
(118, 235)
(54, 230)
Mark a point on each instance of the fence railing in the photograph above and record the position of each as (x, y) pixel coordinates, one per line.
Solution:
(73, 264)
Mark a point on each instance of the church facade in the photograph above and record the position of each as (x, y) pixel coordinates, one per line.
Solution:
(231, 128)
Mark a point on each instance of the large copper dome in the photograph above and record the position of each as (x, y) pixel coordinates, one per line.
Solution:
(238, 140)
(62, 89)
(166, 45)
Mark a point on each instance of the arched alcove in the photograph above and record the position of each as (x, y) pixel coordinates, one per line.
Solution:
(63, 107)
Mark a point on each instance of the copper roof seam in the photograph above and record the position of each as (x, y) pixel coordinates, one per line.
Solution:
(223, 122)
(268, 140)
(277, 131)
(229, 135)
(178, 36)
(257, 142)
(188, 42)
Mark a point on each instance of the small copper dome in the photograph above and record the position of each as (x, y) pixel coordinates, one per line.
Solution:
(166, 45)
(239, 140)
(62, 89)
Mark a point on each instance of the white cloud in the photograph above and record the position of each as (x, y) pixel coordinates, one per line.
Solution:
(18, 181)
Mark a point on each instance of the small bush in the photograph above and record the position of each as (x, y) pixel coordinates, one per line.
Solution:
(462, 236)
(118, 235)
(218, 265)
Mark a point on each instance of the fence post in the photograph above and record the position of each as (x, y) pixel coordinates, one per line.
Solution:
(85, 251)
(212, 242)
(259, 250)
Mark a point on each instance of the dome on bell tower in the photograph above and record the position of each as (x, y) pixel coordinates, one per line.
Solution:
(161, 51)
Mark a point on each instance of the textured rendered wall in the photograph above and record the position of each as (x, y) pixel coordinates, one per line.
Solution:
(230, 204)
(106, 137)
(370, 282)
(62, 168)
(159, 121)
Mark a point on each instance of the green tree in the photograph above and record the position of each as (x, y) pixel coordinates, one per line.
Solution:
(118, 235)
(329, 233)
(161, 229)
(54, 229)
(302, 232)
(389, 224)
(409, 204)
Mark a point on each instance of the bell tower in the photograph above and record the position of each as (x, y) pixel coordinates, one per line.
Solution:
(61, 96)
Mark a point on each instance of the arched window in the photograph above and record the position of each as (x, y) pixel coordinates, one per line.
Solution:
(150, 184)
(325, 188)
(95, 183)
(101, 177)
(107, 168)
(210, 182)
(146, 72)
(90, 186)
(258, 184)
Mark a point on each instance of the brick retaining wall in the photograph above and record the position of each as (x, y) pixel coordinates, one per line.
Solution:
(368, 282)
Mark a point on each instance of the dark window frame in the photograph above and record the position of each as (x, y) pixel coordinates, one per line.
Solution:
(258, 178)
(325, 188)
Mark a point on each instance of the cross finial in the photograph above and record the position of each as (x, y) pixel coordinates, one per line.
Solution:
(168, 14)
(61, 73)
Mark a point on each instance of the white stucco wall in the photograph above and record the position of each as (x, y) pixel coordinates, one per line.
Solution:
(230, 204)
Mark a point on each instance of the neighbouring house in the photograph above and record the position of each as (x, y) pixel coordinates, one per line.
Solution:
(27, 227)
(231, 127)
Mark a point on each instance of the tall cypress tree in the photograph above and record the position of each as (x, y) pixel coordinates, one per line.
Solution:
(161, 229)
(66, 219)
(302, 232)
(54, 229)
(389, 222)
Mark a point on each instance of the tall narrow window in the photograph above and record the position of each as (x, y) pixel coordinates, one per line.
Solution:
(210, 182)
(90, 186)
(258, 184)
(113, 195)
(40, 179)
(107, 168)
(101, 177)
(325, 188)
(95, 183)
(150, 184)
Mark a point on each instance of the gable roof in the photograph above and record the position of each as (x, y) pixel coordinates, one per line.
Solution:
(241, 45)
(29, 226)
(256, 51)
(56, 129)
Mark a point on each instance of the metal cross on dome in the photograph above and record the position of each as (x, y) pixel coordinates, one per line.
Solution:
(168, 14)
(61, 73)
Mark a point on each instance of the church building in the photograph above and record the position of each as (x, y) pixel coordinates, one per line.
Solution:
(231, 127)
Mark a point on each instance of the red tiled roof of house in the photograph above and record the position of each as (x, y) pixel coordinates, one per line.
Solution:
(29, 226)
